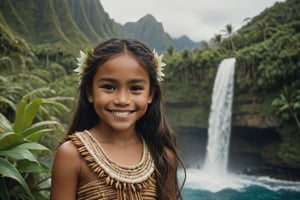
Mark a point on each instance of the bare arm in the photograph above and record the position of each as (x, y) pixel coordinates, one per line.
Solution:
(65, 172)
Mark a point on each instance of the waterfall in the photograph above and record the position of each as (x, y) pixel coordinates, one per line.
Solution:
(220, 119)
(213, 177)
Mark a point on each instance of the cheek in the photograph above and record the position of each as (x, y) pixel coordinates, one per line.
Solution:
(100, 97)
(147, 98)
(145, 103)
(142, 101)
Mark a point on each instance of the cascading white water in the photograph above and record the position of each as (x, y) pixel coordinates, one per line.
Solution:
(213, 177)
(220, 119)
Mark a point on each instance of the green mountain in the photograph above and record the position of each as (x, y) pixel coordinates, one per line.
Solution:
(76, 23)
(185, 43)
(150, 31)
(93, 21)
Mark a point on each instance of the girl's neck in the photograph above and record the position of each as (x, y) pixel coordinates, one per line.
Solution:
(105, 135)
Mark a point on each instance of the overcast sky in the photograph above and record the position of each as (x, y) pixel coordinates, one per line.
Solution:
(198, 19)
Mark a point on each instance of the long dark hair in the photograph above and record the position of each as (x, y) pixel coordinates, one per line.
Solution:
(153, 126)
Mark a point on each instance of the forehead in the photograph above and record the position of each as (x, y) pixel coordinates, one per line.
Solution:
(123, 66)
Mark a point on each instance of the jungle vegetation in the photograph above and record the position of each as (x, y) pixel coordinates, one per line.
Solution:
(39, 41)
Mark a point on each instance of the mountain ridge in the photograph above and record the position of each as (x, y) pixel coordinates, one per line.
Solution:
(79, 22)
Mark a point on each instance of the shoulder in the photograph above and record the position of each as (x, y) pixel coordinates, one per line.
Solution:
(67, 153)
(68, 146)
(65, 172)
(67, 149)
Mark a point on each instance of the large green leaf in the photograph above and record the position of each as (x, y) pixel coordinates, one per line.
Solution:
(53, 102)
(26, 113)
(8, 170)
(34, 146)
(8, 140)
(32, 167)
(5, 125)
(18, 124)
(37, 127)
(18, 153)
(22, 151)
(39, 134)
(31, 110)
(8, 102)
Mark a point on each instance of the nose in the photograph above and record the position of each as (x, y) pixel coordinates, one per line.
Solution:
(122, 97)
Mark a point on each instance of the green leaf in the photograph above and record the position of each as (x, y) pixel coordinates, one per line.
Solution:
(31, 110)
(26, 113)
(38, 134)
(5, 125)
(8, 102)
(277, 102)
(18, 124)
(283, 108)
(31, 167)
(8, 140)
(53, 103)
(8, 170)
(37, 127)
(296, 105)
(18, 153)
(34, 146)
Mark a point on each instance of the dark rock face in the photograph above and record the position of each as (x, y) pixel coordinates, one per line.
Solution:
(192, 145)
(245, 154)
(255, 120)
(246, 146)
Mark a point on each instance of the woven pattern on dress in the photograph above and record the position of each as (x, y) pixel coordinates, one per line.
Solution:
(114, 181)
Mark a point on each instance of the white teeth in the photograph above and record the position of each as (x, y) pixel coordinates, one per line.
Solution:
(120, 114)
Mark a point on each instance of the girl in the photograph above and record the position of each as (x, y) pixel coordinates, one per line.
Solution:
(119, 144)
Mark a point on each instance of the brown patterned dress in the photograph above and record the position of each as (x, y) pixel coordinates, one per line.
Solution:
(114, 181)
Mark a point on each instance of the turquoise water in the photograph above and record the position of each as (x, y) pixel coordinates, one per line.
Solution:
(249, 193)
(204, 186)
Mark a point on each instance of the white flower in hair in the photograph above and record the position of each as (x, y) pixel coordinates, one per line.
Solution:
(82, 60)
(159, 65)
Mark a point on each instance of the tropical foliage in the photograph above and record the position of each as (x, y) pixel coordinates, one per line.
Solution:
(33, 105)
(267, 75)
(20, 153)
(37, 84)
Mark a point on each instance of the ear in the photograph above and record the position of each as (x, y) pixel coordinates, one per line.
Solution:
(150, 97)
(90, 97)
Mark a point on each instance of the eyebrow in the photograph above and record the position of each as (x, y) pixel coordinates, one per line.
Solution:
(106, 79)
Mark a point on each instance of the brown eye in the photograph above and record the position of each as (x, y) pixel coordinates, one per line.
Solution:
(108, 87)
(136, 88)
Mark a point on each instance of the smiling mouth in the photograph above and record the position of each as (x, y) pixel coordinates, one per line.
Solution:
(121, 114)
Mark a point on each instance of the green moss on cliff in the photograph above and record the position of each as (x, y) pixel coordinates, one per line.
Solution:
(286, 152)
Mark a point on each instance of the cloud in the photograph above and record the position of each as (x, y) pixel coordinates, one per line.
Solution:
(198, 19)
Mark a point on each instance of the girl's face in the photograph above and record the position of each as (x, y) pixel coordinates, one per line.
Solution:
(120, 93)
